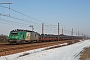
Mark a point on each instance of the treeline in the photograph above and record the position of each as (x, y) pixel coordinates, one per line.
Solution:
(3, 38)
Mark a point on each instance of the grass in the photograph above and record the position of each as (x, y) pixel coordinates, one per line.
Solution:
(86, 54)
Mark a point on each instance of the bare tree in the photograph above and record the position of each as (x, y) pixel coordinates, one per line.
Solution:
(3, 38)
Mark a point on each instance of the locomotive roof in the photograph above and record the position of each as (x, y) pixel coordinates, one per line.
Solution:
(23, 30)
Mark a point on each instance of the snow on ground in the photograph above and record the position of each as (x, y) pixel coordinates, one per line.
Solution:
(70, 52)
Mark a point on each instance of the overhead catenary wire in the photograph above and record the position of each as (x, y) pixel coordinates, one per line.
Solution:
(18, 22)
(25, 15)
(24, 20)
(37, 21)
(21, 13)
(11, 23)
(14, 20)
(7, 21)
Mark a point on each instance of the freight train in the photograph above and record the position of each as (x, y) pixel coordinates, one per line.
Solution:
(22, 36)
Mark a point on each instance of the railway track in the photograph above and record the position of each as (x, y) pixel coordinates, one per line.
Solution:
(6, 49)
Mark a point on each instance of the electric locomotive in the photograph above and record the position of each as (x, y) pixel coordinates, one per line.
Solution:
(22, 36)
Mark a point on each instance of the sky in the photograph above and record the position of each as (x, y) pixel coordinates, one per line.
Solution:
(69, 13)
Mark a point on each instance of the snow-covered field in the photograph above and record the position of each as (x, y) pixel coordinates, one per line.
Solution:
(70, 52)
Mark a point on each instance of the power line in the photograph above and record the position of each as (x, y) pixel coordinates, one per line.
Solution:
(25, 15)
(17, 18)
(22, 14)
(6, 3)
(11, 23)
(22, 20)
(28, 17)
(8, 21)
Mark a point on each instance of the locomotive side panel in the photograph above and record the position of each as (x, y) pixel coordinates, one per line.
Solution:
(28, 36)
(34, 36)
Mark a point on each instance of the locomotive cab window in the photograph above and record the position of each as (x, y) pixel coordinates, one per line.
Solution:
(14, 33)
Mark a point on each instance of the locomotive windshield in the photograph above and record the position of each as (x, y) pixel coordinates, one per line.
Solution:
(14, 33)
